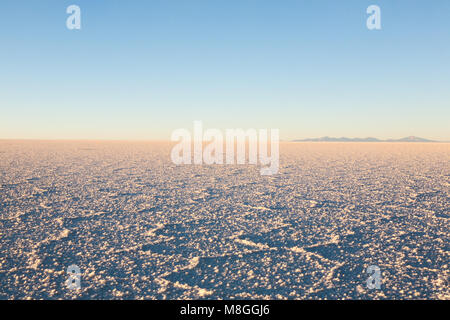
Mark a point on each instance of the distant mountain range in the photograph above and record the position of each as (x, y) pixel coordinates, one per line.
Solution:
(369, 139)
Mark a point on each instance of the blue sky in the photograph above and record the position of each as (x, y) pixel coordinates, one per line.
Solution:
(140, 69)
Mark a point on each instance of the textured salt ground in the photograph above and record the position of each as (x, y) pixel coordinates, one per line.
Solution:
(140, 227)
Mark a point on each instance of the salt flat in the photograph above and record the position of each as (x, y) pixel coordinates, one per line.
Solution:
(139, 226)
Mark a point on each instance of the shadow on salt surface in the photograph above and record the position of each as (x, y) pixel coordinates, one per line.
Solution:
(257, 274)
(443, 215)
(266, 266)
(58, 251)
(42, 264)
(177, 238)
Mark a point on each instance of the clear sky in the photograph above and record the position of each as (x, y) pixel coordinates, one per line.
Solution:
(140, 69)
